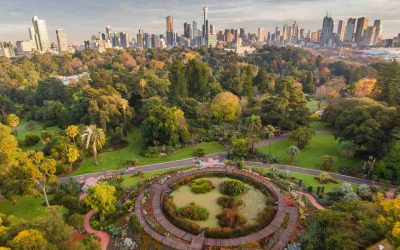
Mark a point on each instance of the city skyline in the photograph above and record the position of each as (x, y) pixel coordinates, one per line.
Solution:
(81, 19)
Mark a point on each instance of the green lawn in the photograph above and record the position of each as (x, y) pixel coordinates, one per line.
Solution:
(310, 157)
(312, 104)
(116, 159)
(33, 128)
(319, 126)
(26, 207)
(129, 181)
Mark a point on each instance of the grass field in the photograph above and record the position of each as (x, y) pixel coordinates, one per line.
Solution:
(33, 128)
(26, 207)
(117, 159)
(312, 104)
(310, 157)
(318, 126)
(130, 181)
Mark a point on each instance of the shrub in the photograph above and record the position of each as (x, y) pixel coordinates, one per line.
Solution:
(76, 220)
(194, 212)
(328, 161)
(134, 225)
(31, 140)
(302, 136)
(231, 218)
(132, 163)
(229, 202)
(232, 187)
(325, 178)
(200, 152)
(201, 186)
(365, 192)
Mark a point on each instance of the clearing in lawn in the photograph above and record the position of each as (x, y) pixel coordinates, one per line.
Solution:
(26, 207)
(310, 156)
(117, 159)
(33, 128)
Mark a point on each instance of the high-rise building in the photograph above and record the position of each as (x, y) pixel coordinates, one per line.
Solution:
(155, 41)
(378, 31)
(369, 36)
(362, 24)
(62, 40)
(41, 36)
(139, 38)
(341, 30)
(285, 32)
(327, 31)
(108, 33)
(170, 31)
(24, 48)
(125, 40)
(261, 34)
(349, 34)
(187, 30)
(205, 23)
(7, 49)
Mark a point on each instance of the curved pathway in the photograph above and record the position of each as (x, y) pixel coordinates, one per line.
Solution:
(104, 237)
(311, 198)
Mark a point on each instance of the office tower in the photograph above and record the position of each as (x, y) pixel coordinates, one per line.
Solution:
(362, 24)
(327, 31)
(147, 40)
(378, 31)
(205, 23)
(87, 44)
(211, 29)
(242, 33)
(24, 48)
(155, 41)
(229, 37)
(187, 30)
(41, 36)
(295, 31)
(31, 33)
(261, 34)
(108, 33)
(368, 36)
(7, 49)
(170, 32)
(314, 37)
(62, 40)
(341, 30)
(301, 34)
(285, 32)
(124, 37)
(139, 38)
(349, 35)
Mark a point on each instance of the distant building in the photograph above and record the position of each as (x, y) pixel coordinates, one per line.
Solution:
(378, 31)
(139, 38)
(125, 40)
(349, 34)
(155, 41)
(170, 32)
(261, 34)
(7, 49)
(25, 48)
(41, 36)
(369, 36)
(62, 40)
(362, 24)
(327, 31)
(341, 30)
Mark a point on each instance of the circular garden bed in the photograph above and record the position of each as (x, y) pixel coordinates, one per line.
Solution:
(219, 204)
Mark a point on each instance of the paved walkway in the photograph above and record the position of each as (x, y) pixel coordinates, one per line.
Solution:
(311, 198)
(103, 236)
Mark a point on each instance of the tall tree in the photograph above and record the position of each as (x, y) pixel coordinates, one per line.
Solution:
(248, 82)
(226, 107)
(270, 131)
(178, 87)
(197, 75)
(95, 138)
(388, 85)
(261, 80)
(101, 198)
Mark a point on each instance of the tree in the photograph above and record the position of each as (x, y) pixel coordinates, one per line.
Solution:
(178, 87)
(293, 151)
(261, 80)
(72, 132)
(226, 107)
(309, 85)
(248, 82)
(30, 239)
(287, 108)
(101, 198)
(328, 161)
(388, 87)
(254, 128)
(302, 136)
(197, 75)
(270, 133)
(72, 154)
(347, 149)
(13, 121)
(43, 172)
(241, 148)
(389, 167)
(94, 137)
(330, 90)
(364, 87)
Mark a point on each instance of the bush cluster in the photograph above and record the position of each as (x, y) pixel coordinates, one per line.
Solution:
(232, 187)
(201, 186)
(229, 202)
(194, 212)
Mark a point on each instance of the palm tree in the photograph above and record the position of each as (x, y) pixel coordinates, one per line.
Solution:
(293, 151)
(347, 149)
(94, 137)
(124, 106)
(254, 127)
(270, 133)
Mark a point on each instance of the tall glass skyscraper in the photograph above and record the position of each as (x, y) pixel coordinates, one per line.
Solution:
(41, 36)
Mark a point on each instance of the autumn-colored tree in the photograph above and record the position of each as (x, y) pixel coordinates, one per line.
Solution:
(72, 132)
(72, 154)
(226, 107)
(330, 90)
(364, 87)
(95, 138)
(391, 217)
(101, 198)
(29, 240)
(13, 121)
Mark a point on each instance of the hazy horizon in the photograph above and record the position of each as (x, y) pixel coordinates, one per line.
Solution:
(80, 19)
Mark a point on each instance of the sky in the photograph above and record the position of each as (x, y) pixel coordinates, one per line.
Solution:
(82, 18)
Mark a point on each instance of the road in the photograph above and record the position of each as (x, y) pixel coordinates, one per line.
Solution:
(221, 156)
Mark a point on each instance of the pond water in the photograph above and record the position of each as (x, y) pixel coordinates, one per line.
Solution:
(254, 201)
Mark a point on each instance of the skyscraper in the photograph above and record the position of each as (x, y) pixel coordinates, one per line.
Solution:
(261, 34)
(108, 33)
(170, 31)
(205, 25)
(341, 30)
(378, 32)
(139, 37)
(327, 31)
(349, 35)
(368, 36)
(187, 30)
(41, 36)
(125, 40)
(362, 24)
(62, 40)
